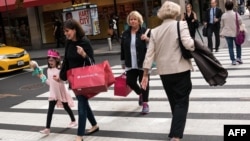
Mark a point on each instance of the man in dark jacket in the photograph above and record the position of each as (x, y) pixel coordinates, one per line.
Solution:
(248, 6)
(212, 21)
(241, 7)
(57, 31)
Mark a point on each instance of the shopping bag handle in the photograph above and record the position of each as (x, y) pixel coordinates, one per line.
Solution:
(90, 61)
(123, 75)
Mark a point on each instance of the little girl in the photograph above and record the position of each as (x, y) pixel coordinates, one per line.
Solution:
(58, 94)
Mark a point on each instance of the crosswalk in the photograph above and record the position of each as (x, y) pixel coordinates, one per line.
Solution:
(119, 118)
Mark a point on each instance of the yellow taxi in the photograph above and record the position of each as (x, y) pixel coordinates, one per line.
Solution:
(13, 58)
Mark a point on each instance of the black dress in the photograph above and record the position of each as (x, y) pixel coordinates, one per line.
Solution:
(191, 25)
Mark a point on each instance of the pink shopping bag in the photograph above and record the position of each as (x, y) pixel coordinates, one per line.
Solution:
(121, 88)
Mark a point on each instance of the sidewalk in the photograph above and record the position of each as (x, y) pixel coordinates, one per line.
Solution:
(101, 47)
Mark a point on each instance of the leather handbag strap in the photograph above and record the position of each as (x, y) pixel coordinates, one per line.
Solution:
(237, 23)
(179, 36)
(146, 33)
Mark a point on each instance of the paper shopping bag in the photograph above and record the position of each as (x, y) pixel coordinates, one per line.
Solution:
(91, 80)
(82, 92)
(108, 73)
(121, 88)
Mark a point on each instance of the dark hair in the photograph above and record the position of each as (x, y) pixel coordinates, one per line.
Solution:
(68, 14)
(73, 24)
(229, 5)
(58, 62)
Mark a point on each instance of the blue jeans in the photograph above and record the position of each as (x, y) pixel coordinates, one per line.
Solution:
(230, 44)
(84, 112)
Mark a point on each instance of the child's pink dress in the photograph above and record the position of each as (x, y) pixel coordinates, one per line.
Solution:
(57, 90)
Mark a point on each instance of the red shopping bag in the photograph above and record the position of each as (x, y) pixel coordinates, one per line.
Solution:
(121, 88)
(108, 73)
(82, 92)
(91, 80)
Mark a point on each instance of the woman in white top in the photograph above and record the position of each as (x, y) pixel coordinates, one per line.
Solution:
(133, 50)
(228, 26)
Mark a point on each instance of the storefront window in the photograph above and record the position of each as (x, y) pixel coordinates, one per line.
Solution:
(1, 30)
(16, 28)
(47, 25)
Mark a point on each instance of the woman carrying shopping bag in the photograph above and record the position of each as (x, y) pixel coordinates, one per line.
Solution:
(78, 52)
(229, 22)
(133, 50)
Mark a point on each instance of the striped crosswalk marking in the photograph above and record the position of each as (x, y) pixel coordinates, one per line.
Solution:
(119, 117)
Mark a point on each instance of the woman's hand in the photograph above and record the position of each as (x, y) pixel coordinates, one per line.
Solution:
(123, 66)
(144, 37)
(81, 51)
(56, 78)
(144, 82)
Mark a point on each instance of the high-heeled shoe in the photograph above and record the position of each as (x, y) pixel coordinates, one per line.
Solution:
(92, 130)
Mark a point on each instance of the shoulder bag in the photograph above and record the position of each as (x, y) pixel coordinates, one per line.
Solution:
(185, 53)
(240, 35)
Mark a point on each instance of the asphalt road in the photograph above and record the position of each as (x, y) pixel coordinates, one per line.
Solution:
(23, 106)
(19, 86)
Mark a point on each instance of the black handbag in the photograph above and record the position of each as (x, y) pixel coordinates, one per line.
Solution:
(196, 24)
(204, 31)
(185, 53)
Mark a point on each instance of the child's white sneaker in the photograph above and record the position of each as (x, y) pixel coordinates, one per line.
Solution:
(72, 124)
(45, 131)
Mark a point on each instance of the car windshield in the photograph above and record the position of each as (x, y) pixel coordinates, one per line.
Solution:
(2, 45)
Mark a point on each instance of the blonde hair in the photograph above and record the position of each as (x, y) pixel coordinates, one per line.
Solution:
(135, 14)
(169, 10)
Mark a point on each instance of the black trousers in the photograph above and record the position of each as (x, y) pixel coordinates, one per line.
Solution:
(132, 78)
(58, 41)
(213, 28)
(178, 87)
(115, 35)
(51, 111)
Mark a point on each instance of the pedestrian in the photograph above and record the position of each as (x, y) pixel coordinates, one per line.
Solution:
(212, 22)
(57, 32)
(241, 7)
(113, 25)
(133, 50)
(174, 70)
(191, 18)
(68, 15)
(78, 52)
(248, 6)
(228, 31)
(58, 95)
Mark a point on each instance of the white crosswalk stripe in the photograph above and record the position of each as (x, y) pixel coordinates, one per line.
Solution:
(119, 117)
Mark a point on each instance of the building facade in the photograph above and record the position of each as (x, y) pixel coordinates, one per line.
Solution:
(32, 27)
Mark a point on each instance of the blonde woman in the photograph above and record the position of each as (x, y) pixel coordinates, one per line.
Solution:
(173, 69)
(133, 50)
